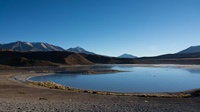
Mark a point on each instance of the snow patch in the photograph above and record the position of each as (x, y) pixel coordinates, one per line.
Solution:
(29, 44)
(43, 45)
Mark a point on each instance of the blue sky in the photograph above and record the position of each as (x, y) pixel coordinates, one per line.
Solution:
(109, 27)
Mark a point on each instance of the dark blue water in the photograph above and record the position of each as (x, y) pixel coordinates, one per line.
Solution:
(139, 79)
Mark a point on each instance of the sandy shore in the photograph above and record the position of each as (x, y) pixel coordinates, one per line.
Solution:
(18, 96)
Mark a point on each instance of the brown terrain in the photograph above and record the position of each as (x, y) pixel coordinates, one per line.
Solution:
(18, 95)
(57, 58)
(13, 58)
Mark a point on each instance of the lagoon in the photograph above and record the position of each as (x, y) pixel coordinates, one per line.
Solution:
(148, 79)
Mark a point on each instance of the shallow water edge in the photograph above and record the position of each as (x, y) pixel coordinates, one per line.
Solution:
(188, 93)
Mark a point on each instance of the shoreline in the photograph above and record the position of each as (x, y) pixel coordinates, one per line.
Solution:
(19, 96)
(184, 94)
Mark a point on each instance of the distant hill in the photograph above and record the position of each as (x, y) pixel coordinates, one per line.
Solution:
(28, 46)
(175, 56)
(74, 59)
(55, 58)
(192, 49)
(127, 56)
(79, 50)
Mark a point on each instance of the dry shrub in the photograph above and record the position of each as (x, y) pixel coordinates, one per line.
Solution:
(51, 85)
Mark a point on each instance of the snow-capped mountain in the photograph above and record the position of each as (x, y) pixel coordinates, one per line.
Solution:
(192, 49)
(30, 46)
(79, 50)
(127, 56)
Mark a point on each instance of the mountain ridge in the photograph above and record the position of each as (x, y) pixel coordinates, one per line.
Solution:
(191, 49)
(39, 46)
(79, 50)
(30, 46)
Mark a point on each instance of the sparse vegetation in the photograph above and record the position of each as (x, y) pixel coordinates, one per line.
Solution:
(51, 85)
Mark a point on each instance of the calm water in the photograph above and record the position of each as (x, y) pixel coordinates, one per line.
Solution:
(138, 79)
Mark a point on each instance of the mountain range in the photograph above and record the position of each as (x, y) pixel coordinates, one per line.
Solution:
(37, 55)
(28, 46)
(41, 46)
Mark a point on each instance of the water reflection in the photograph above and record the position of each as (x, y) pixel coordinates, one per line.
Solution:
(138, 79)
(193, 71)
